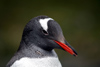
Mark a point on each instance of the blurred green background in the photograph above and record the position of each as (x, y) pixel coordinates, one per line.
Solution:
(79, 19)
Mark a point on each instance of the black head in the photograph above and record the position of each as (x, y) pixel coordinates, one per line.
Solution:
(45, 33)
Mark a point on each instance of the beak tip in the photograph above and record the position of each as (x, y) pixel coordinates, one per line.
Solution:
(75, 55)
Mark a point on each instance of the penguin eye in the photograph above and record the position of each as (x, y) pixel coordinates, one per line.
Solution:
(45, 32)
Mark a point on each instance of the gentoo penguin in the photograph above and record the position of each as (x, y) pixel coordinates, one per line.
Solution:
(40, 36)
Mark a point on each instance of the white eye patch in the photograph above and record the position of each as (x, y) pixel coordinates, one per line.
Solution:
(44, 23)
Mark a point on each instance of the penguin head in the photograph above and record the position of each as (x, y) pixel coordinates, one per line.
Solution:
(47, 34)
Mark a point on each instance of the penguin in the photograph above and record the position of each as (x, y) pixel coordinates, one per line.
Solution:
(40, 37)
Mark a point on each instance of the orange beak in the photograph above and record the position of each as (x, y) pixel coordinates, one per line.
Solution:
(67, 48)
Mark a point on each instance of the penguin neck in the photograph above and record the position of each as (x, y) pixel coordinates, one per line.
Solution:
(30, 49)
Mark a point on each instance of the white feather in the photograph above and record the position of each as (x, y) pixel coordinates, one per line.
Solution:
(37, 62)
(44, 23)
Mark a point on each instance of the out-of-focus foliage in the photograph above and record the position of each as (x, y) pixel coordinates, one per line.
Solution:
(79, 19)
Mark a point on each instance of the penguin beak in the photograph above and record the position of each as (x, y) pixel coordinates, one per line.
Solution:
(67, 47)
